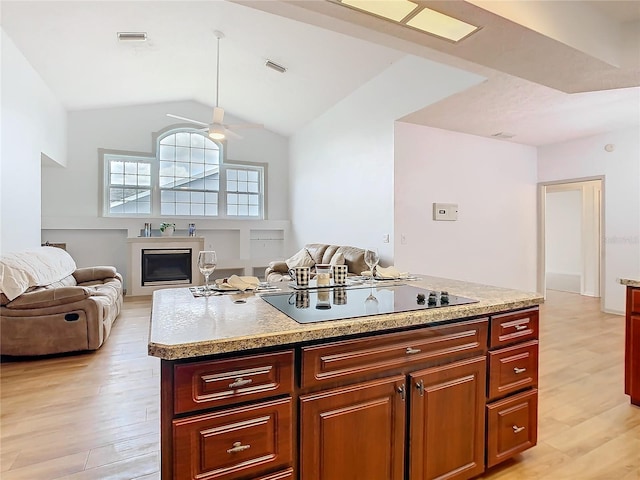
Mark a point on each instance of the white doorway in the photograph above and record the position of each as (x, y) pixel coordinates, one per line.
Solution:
(570, 242)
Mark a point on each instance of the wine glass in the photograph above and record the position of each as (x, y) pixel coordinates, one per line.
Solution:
(371, 258)
(207, 262)
(371, 304)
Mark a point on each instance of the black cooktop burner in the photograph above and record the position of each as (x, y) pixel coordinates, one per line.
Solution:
(309, 306)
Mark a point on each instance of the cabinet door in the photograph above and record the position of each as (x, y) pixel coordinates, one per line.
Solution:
(446, 423)
(355, 432)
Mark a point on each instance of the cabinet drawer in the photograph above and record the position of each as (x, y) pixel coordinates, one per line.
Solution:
(513, 327)
(355, 359)
(634, 300)
(511, 426)
(222, 382)
(513, 368)
(283, 475)
(243, 442)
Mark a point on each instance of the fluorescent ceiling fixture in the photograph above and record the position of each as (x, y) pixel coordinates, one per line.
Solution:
(391, 9)
(415, 16)
(441, 25)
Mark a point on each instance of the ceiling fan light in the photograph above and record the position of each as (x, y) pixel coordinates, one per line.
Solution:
(216, 132)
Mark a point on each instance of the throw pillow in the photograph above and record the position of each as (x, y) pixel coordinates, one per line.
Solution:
(300, 259)
(337, 259)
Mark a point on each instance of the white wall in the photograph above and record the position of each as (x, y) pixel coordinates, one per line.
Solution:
(33, 124)
(586, 157)
(342, 163)
(563, 240)
(494, 184)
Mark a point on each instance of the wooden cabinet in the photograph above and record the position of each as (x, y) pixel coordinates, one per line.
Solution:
(632, 346)
(409, 404)
(354, 432)
(512, 414)
(446, 431)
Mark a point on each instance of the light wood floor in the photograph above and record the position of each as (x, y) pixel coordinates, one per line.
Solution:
(95, 416)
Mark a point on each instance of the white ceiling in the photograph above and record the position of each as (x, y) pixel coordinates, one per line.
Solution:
(573, 70)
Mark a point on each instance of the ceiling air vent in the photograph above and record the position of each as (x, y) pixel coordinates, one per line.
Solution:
(275, 66)
(503, 135)
(132, 36)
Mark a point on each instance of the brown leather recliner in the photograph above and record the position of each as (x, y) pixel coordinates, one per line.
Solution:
(278, 271)
(74, 312)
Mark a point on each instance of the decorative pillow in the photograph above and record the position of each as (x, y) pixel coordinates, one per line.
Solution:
(300, 259)
(337, 259)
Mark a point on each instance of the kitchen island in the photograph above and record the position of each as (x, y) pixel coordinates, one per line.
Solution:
(249, 393)
(632, 340)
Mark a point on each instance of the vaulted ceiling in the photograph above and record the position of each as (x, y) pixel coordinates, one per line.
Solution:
(555, 70)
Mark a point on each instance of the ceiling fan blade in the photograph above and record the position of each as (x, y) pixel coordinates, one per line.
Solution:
(245, 125)
(218, 115)
(190, 120)
(232, 134)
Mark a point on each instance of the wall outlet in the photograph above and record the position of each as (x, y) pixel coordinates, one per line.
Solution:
(385, 238)
(403, 239)
(445, 211)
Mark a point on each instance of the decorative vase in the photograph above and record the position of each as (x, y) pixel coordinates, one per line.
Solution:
(168, 231)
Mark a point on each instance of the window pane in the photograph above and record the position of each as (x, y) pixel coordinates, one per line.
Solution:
(168, 196)
(167, 168)
(211, 198)
(197, 140)
(232, 199)
(131, 179)
(182, 154)
(232, 174)
(183, 197)
(144, 169)
(242, 186)
(232, 186)
(254, 211)
(211, 157)
(167, 152)
(243, 210)
(253, 200)
(211, 209)
(253, 187)
(131, 168)
(183, 209)
(197, 169)
(211, 183)
(183, 138)
(253, 176)
(117, 167)
(182, 170)
(197, 197)
(168, 140)
(232, 210)
(242, 175)
(168, 209)
(117, 179)
(144, 180)
(197, 209)
(243, 199)
(197, 155)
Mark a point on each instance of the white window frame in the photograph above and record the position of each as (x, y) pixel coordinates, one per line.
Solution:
(106, 155)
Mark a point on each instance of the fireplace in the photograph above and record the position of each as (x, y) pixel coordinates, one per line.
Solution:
(166, 266)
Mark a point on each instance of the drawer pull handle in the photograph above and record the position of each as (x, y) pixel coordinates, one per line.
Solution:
(517, 429)
(411, 351)
(401, 390)
(238, 447)
(520, 327)
(240, 382)
(519, 370)
(420, 387)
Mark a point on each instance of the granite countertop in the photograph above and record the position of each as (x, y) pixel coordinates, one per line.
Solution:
(184, 326)
(629, 282)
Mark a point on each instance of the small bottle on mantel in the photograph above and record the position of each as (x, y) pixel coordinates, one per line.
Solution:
(147, 229)
(192, 229)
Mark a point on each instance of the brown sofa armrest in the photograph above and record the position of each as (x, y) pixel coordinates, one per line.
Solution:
(90, 274)
(49, 297)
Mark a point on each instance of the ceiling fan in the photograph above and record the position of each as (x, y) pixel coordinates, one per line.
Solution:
(217, 129)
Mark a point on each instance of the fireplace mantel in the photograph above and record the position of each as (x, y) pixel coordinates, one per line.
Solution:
(137, 244)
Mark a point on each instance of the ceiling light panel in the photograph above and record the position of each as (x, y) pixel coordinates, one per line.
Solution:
(410, 14)
(442, 25)
(392, 9)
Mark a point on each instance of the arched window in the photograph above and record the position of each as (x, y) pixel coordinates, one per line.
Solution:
(188, 177)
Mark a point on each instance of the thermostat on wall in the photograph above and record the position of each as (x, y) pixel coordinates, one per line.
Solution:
(445, 211)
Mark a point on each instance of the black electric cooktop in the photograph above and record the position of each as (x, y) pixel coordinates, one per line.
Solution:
(320, 305)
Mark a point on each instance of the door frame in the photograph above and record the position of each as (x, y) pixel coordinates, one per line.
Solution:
(541, 270)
